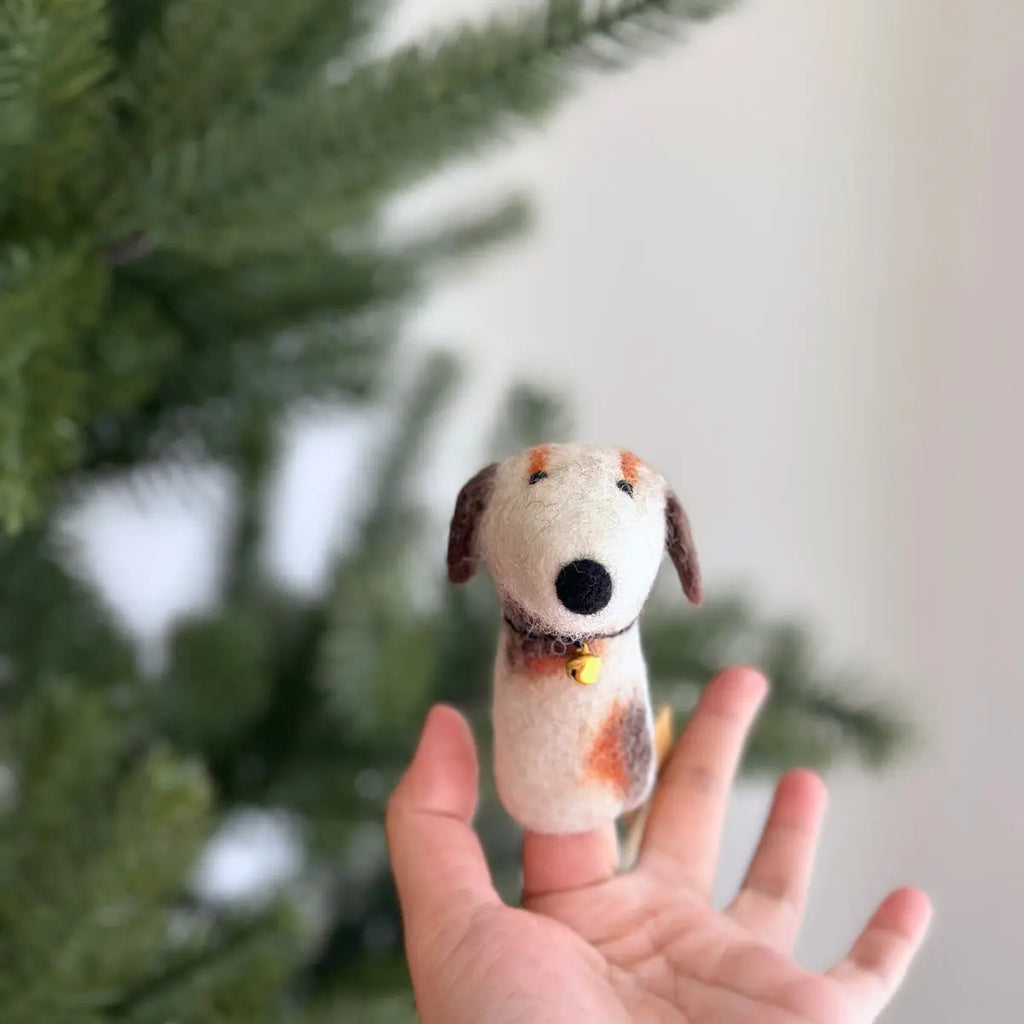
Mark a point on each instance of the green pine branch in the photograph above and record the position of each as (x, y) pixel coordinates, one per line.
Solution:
(318, 324)
(20, 59)
(813, 717)
(93, 855)
(51, 622)
(332, 32)
(55, 69)
(391, 1008)
(203, 57)
(130, 23)
(326, 153)
(431, 388)
(205, 237)
(207, 399)
(49, 297)
(277, 291)
(373, 636)
(231, 971)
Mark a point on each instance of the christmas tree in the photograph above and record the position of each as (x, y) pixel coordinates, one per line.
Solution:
(190, 244)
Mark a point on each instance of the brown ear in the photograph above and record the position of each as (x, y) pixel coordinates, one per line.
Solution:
(679, 542)
(462, 542)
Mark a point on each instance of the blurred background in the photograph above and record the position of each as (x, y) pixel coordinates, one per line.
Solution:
(778, 256)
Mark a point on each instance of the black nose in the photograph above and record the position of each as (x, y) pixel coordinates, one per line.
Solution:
(584, 586)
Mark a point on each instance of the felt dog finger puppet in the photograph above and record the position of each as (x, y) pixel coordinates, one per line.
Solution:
(573, 536)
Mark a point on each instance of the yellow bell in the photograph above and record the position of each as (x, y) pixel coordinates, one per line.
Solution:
(584, 667)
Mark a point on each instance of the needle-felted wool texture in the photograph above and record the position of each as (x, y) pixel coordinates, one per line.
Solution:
(573, 536)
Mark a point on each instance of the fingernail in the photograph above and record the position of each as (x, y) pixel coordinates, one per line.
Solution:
(432, 771)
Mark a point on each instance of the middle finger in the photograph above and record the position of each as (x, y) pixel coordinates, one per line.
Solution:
(689, 803)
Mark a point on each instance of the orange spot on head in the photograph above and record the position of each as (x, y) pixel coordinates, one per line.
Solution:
(539, 459)
(629, 465)
(606, 761)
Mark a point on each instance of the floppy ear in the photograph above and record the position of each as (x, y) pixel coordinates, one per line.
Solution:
(679, 542)
(462, 539)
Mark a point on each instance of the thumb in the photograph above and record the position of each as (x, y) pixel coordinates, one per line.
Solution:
(439, 866)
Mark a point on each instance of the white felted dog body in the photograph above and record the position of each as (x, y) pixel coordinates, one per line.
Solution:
(573, 536)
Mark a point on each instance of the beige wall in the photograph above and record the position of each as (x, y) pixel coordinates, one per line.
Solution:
(784, 264)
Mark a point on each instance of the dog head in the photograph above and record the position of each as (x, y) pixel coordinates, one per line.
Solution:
(573, 536)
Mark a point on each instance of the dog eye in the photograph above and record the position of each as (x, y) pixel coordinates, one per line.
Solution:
(626, 486)
(539, 475)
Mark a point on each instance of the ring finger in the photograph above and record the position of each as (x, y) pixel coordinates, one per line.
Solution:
(772, 898)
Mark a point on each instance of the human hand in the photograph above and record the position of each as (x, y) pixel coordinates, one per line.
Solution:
(590, 944)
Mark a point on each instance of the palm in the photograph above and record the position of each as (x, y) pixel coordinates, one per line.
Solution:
(648, 952)
(646, 945)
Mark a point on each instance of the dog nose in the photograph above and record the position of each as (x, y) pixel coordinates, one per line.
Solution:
(584, 586)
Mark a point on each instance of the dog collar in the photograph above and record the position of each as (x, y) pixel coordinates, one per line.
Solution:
(581, 664)
(567, 641)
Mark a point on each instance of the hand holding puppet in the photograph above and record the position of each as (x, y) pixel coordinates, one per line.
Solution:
(573, 536)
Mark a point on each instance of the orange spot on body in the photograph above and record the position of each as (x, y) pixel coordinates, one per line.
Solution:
(629, 465)
(606, 761)
(539, 459)
(545, 666)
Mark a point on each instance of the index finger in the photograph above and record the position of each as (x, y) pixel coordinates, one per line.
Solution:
(439, 866)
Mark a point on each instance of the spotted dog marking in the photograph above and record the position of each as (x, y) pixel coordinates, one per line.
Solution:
(629, 466)
(539, 461)
(620, 755)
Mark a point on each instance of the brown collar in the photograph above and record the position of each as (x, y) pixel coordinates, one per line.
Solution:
(564, 643)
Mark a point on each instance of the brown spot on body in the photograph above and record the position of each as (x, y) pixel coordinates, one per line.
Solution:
(629, 467)
(621, 753)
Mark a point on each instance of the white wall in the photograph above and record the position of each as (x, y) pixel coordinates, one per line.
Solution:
(783, 263)
(959, 452)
